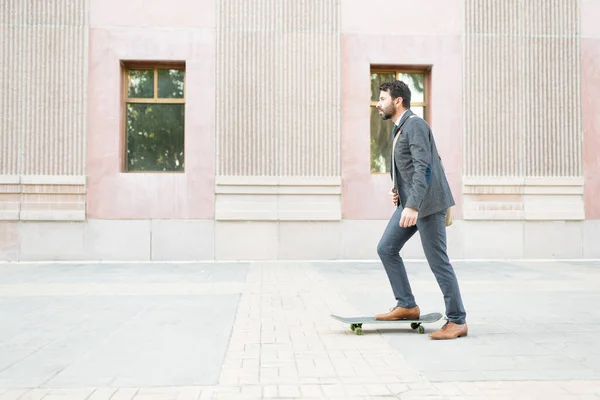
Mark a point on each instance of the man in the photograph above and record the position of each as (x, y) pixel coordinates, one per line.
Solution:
(422, 196)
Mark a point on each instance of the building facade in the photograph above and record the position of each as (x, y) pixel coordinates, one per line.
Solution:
(246, 130)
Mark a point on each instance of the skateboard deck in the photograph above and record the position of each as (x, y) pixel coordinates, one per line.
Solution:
(356, 323)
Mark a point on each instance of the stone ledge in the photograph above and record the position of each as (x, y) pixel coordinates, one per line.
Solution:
(10, 200)
(42, 198)
(53, 179)
(523, 198)
(278, 198)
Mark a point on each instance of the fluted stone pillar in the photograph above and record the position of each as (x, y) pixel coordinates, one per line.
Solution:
(278, 110)
(523, 137)
(43, 64)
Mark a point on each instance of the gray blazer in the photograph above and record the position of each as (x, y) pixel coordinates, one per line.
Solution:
(418, 168)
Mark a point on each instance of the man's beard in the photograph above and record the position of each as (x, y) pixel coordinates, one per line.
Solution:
(386, 114)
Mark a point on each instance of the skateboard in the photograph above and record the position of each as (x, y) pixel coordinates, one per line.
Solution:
(356, 323)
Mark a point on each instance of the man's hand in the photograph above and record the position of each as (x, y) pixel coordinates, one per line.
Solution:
(409, 217)
(394, 196)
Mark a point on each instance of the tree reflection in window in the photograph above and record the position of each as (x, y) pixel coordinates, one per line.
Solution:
(155, 120)
(155, 137)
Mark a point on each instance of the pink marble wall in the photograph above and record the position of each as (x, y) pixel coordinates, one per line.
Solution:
(153, 13)
(396, 34)
(590, 105)
(129, 31)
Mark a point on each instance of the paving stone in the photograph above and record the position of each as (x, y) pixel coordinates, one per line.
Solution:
(262, 330)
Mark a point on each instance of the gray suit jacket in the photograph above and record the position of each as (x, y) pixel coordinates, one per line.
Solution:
(418, 168)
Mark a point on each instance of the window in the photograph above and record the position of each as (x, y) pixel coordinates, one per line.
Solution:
(381, 139)
(154, 118)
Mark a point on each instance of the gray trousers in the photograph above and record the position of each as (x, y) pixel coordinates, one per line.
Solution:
(433, 237)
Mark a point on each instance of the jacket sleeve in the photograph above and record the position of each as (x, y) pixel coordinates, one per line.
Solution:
(420, 150)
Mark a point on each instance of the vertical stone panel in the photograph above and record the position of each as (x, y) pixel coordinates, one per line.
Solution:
(522, 95)
(43, 61)
(523, 149)
(278, 92)
(11, 71)
(492, 103)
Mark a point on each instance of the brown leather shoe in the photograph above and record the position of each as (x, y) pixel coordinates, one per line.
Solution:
(450, 330)
(397, 313)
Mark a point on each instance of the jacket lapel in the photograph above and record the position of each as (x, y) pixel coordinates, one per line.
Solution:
(404, 118)
(395, 131)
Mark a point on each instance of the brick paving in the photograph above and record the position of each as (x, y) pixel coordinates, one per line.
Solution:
(262, 330)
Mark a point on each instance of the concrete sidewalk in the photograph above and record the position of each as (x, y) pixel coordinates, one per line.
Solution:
(262, 330)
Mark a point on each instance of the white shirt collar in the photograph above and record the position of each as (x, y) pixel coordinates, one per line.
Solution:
(397, 123)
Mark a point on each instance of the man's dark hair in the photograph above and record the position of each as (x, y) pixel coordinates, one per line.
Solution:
(397, 89)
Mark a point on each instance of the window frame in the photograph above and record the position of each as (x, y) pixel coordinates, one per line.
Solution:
(426, 71)
(125, 99)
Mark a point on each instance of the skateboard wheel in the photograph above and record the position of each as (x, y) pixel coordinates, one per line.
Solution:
(421, 329)
(414, 325)
(358, 330)
(352, 327)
